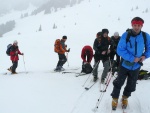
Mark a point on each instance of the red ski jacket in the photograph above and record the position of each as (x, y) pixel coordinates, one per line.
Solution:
(87, 51)
(14, 53)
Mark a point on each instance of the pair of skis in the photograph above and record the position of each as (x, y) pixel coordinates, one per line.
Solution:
(77, 74)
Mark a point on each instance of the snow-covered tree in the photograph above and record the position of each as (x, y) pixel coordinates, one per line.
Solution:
(54, 26)
(40, 28)
(146, 11)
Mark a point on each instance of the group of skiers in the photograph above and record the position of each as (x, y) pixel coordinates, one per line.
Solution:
(131, 49)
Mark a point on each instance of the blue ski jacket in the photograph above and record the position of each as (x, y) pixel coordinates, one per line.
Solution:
(128, 52)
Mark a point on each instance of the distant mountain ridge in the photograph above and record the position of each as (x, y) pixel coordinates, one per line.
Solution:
(54, 5)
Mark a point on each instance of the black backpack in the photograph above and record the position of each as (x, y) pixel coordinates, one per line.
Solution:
(9, 46)
(87, 68)
(143, 74)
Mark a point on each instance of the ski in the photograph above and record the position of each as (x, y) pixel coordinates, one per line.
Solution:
(72, 69)
(89, 87)
(64, 72)
(124, 110)
(102, 90)
(113, 111)
(80, 74)
(5, 73)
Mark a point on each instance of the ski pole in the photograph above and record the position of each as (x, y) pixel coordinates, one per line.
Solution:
(101, 95)
(104, 90)
(109, 76)
(67, 59)
(109, 71)
(91, 73)
(24, 64)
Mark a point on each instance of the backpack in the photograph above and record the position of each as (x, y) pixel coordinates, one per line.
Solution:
(8, 49)
(143, 74)
(57, 45)
(87, 68)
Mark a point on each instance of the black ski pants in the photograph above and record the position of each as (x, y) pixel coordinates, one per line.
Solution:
(112, 55)
(131, 75)
(97, 59)
(87, 57)
(62, 60)
(14, 66)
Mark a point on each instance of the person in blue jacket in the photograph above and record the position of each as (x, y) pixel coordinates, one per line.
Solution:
(133, 53)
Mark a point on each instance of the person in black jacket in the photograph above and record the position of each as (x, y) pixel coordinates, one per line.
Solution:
(114, 43)
(100, 46)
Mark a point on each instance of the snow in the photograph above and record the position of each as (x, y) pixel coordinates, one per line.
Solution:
(40, 90)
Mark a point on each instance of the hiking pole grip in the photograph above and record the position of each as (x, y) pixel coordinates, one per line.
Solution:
(140, 63)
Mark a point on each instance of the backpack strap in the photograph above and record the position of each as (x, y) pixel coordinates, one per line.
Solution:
(128, 38)
(144, 37)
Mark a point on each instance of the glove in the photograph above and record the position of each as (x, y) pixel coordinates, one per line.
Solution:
(85, 63)
(22, 53)
(104, 52)
(142, 58)
(68, 50)
(16, 52)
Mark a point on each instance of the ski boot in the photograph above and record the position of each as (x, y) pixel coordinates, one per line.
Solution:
(9, 69)
(124, 102)
(95, 79)
(62, 69)
(114, 103)
(57, 69)
(14, 73)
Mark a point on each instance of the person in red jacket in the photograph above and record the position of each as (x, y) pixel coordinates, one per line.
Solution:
(87, 51)
(86, 55)
(14, 51)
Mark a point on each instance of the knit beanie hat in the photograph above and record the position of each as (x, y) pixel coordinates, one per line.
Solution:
(105, 31)
(99, 34)
(64, 37)
(116, 34)
(15, 42)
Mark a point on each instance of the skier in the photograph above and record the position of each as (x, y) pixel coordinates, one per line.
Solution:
(60, 48)
(114, 43)
(14, 51)
(100, 46)
(86, 55)
(133, 54)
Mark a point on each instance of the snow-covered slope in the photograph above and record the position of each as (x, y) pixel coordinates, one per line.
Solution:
(40, 91)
